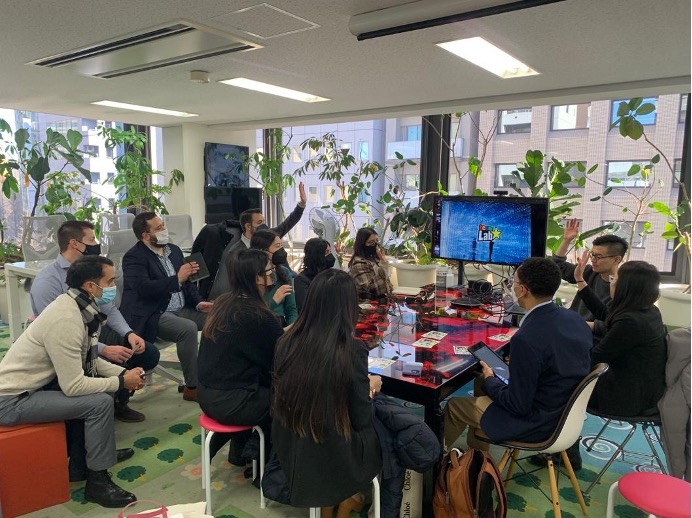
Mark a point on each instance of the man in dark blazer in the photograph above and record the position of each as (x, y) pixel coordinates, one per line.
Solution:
(158, 297)
(550, 355)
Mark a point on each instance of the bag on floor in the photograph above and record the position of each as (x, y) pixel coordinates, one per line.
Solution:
(466, 484)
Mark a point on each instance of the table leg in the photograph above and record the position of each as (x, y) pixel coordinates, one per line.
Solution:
(14, 317)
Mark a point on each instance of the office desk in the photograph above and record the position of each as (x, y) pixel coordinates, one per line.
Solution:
(390, 330)
(13, 272)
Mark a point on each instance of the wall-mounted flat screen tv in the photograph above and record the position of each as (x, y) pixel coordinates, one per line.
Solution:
(489, 229)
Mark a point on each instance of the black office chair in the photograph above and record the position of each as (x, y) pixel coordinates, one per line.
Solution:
(650, 425)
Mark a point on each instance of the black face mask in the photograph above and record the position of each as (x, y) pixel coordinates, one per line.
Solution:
(91, 249)
(330, 261)
(280, 257)
(370, 250)
(263, 226)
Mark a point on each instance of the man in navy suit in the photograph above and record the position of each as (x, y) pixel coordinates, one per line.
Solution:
(158, 297)
(550, 355)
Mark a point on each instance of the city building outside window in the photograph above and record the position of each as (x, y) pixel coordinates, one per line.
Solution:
(505, 178)
(684, 98)
(515, 121)
(570, 116)
(648, 119)
(296, 155)
(618, 170)
(413, 132)
(95, 177)
(312, 195)
(110, 177)
(363, 150)
(92, 150)
(625, 230)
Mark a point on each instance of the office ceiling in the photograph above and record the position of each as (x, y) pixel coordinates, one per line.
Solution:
(584, 49)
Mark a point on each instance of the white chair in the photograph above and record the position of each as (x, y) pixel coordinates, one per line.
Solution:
(40, 237)
(180, 230)
(565, 435)
(111, 222)
(116, 243)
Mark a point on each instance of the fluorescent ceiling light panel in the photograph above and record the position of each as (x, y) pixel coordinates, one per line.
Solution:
(486, 55)
(148, 109)
(274, 90)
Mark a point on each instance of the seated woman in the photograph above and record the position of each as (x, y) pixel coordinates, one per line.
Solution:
(368, 266)
(279, 297)
(237, 350)
(634, 344)
(317, 257)
(333, 431)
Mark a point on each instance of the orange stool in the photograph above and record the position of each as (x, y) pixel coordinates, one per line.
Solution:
(33, 471)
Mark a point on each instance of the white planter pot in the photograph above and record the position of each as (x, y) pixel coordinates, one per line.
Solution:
(674, 305)
(415, 275)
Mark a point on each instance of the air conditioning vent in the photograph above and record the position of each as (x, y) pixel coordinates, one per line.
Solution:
(158, 47)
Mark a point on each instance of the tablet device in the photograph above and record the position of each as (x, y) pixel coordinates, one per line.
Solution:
(203, 271)
(484, 353)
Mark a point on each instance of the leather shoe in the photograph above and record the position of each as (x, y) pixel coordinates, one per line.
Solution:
(101, 490)
(128, 415)
(123, 454)
(190, 394)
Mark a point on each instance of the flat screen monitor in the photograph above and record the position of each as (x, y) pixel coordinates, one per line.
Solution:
(489, 229)
(228, 202)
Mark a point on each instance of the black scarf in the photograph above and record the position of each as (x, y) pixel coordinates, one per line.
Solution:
(93, 320)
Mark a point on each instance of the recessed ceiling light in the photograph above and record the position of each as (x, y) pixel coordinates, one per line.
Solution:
(149, 109)
(274, 90)
(486, 55)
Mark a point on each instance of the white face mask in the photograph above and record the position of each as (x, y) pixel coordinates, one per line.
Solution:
(162, 237)
(515, 299)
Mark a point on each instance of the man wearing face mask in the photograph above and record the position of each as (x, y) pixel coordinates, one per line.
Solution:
(251, 220)
(76, 239)
(158, 297)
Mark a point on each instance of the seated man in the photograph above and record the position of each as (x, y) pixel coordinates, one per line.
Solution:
(250, 221)
(607, 252)
(53, 373)
(550, 355)
(76, 239)
(158, 297)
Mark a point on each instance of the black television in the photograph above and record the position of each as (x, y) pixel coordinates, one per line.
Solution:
(228, 202)
(489, 229)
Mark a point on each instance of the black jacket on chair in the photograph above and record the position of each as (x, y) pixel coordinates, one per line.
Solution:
(211, 242)
(147, 288)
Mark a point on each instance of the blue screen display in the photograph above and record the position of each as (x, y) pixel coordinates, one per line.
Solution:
(483, 229)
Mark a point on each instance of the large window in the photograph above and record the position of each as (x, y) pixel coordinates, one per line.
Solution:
(570, 116)
(413, 132)
(515, 121)
(505, 178)
(649, 118)
(636, 238)
(95, 177)
(684, 98)
(619, 174)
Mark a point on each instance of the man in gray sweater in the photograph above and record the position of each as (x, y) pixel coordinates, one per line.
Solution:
(53, 373)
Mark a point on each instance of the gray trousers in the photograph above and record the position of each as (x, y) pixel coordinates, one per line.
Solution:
(181, 327)
(46, 406)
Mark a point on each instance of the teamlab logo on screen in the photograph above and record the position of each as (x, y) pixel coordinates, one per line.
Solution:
(488, 233)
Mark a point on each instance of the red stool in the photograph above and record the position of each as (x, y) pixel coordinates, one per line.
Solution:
(660, 495)
(210, 425)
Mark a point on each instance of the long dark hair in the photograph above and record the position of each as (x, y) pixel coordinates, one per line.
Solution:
(314, 260)
(362, 236)
(636, 288)
(243, 269)
(314, 360)
(262, 240)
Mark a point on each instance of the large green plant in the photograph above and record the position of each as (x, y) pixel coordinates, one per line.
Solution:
(38, 162)
(134, 187)
(677, 226)
(553, 183)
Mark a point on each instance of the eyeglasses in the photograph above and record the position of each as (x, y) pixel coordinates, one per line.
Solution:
(270, 270)
(612, 279)
(598, 257)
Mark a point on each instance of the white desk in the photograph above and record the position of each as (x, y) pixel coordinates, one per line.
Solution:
(14, 272)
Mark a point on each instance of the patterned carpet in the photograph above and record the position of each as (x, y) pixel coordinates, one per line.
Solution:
(167, 468)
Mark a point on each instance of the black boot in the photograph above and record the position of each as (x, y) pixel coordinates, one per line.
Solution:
(101, 490)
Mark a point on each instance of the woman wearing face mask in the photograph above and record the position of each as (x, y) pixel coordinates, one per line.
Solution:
(317, 257)
(237, 350)
(368, 266)
(279, 295)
